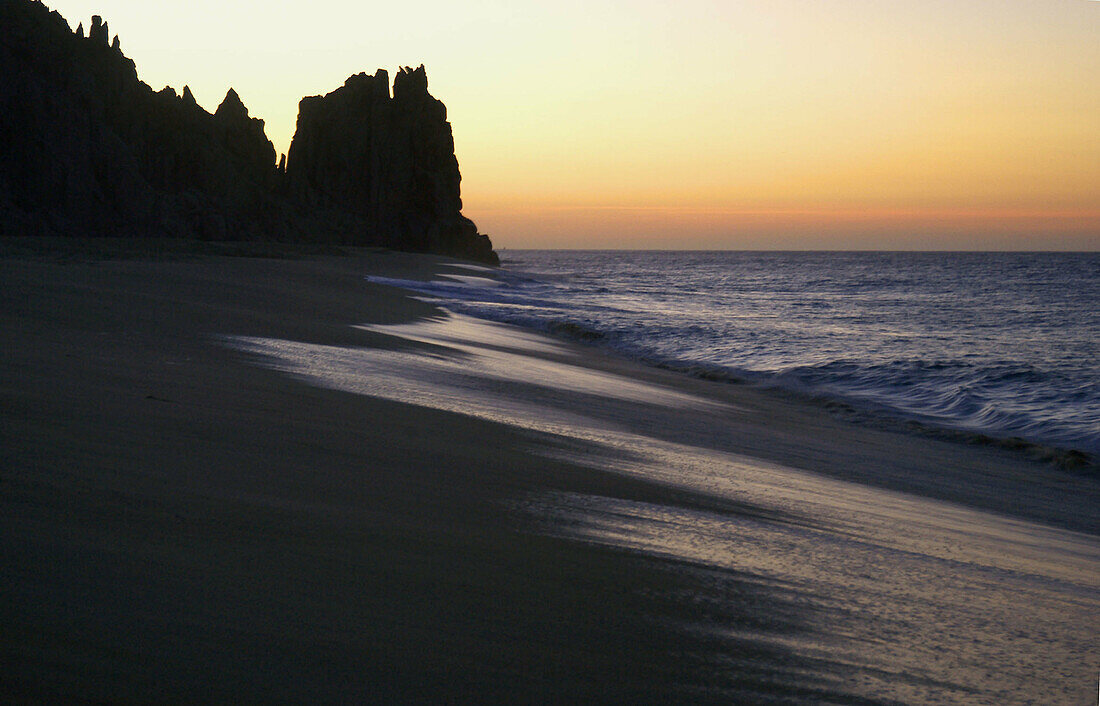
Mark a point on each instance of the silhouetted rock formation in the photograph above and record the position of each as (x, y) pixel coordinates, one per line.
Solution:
(88, 149)
(387, 161)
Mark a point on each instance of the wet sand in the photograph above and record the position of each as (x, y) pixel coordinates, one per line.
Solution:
(244, 479)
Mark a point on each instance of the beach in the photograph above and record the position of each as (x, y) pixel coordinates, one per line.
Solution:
(257, 479)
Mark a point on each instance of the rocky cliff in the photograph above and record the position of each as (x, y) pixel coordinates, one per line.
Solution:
(389, 161)
(87, 149)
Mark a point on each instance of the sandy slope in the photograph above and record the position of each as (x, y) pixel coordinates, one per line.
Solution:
(254, 479)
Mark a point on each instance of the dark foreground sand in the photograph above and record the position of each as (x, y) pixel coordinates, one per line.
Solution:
(192, 510)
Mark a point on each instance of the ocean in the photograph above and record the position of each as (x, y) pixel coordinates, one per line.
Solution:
(1006, 345)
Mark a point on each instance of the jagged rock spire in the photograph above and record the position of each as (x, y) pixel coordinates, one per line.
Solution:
(232, 107)
(98, 31)
(80, 30)
(410, 82)
(382, 83)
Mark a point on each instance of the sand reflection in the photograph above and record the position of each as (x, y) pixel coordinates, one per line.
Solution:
(919, 598)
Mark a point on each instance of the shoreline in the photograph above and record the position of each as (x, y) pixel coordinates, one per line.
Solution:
(186, 521)
(847, 408)
(552, 316)
(1064, 458)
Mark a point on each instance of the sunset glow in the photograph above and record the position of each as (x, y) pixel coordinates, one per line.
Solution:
(700, 124)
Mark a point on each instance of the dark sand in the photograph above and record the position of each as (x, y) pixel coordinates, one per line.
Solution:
(181, 523)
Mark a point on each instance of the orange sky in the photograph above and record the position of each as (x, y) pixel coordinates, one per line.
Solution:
(880, 124)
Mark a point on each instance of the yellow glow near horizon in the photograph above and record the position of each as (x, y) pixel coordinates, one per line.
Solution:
(701, 123)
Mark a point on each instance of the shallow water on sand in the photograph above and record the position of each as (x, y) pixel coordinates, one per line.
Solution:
(1006, 344)
(908, 598)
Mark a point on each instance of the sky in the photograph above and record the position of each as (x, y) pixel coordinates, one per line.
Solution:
(735, 124)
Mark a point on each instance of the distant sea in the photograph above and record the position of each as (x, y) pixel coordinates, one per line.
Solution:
(1002, 344)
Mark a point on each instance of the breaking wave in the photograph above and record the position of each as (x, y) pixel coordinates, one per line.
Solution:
(995, 346)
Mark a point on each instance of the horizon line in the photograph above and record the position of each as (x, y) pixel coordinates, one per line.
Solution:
(808, 250)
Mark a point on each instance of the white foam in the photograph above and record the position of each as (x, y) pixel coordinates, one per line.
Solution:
(466, 266)
(473, 281)
(473, 367)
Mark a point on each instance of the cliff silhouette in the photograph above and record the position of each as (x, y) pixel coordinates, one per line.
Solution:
(87, 149)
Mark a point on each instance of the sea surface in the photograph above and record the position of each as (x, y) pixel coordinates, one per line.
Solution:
(1002, 344)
